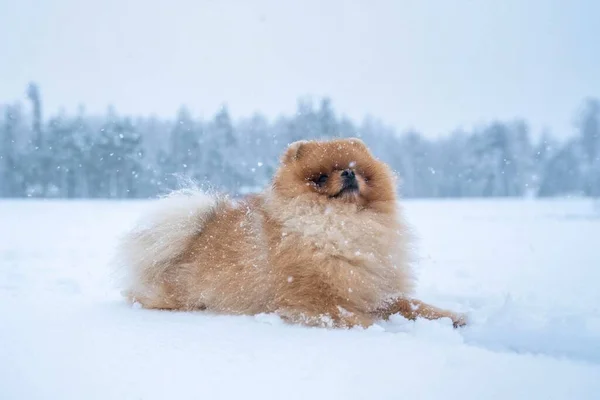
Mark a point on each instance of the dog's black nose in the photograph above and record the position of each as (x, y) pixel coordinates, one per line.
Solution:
(349, 179)
(348, 174)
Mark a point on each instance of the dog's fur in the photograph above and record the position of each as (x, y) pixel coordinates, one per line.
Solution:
(306, 248)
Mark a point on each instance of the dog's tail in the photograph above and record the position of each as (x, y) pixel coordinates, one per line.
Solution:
(162, 235)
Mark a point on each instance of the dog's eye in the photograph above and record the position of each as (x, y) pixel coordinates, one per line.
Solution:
(321, 179)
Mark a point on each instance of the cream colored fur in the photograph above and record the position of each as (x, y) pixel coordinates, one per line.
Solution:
(365, 250)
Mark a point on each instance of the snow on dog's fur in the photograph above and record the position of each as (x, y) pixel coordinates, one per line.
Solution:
(325, 244)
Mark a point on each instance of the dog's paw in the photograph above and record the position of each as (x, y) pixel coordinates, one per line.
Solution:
(459, 320)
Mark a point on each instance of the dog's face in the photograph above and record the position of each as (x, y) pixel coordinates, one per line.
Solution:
(336, 171)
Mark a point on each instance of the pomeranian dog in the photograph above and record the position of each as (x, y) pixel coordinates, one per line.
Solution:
(324, 245)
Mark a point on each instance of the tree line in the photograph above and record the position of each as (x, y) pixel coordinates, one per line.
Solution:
(119, 156)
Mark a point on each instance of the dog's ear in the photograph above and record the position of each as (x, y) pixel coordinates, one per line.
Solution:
(294, 151)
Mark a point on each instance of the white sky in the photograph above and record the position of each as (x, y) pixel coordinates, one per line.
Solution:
(432, 65)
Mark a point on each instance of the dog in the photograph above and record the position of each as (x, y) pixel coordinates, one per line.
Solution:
(324, 245)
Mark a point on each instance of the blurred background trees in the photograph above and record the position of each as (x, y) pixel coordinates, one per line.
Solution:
(119, 156)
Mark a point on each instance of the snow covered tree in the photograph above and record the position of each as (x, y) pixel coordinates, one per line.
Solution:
(589, 133)
(39, 152)
(115, 158)
(562, 174)
(185, 157)
(33, 93)
(327, 120)
(11, 175)
(65, 158)
(222, 152)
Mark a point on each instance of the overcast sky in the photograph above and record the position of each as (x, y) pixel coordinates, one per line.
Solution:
(432, 65)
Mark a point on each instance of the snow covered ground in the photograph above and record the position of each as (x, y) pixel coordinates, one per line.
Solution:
(527, 272)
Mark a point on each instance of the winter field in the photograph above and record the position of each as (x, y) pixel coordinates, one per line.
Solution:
(527, 272)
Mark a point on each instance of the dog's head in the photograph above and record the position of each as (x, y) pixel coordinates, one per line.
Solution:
(335, 171)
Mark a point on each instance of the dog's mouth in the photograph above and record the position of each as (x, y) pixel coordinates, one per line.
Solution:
(350, 190)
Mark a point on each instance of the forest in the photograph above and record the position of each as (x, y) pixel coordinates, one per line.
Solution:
(125, 156)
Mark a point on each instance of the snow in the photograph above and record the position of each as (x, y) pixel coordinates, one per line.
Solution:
(526, 271)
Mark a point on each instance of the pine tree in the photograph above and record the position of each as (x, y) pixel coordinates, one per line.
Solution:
(40, 153)
(61, 180)
(186, 158)
(223, 163)
(11, 179)
(562, 174)
(589, 131)
(328, 126)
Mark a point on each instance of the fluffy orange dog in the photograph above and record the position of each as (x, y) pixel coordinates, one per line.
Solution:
(323, 246)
